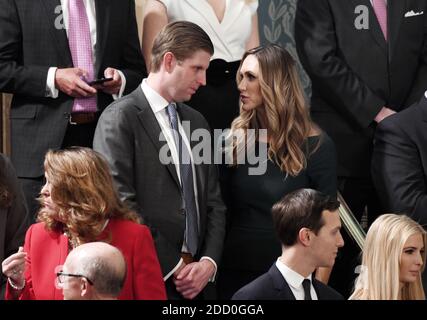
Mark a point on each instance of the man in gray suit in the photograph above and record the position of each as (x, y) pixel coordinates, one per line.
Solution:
(180, 201)
(50, 51)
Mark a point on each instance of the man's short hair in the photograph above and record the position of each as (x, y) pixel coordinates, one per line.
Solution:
(301, 209)
(183, 39)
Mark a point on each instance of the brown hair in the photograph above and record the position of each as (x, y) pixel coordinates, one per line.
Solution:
(183, 39)
(82, 189)
(299, 209)
(287, 115)
(6, 196)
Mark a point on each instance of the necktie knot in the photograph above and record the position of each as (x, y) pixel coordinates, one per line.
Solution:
(173, 116)
(306, 284)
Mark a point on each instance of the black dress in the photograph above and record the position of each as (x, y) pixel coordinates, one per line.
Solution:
(251, 245)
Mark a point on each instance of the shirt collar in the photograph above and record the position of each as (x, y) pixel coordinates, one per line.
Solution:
(293, 278)
(156, 101)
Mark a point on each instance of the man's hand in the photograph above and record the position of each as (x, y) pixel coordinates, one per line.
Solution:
(193, 278)
(70, 82)
(112, 86)
(384, 113)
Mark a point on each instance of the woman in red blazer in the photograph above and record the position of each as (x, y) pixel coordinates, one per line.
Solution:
(80, 205)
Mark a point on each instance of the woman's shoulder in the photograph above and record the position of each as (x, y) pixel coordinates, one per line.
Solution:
(128, 226)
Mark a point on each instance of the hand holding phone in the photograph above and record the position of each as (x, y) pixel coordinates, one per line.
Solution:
(99, 81)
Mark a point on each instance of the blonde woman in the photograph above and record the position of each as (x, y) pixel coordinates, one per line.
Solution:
(232, 25)
(80, 205)
(393, 259)
(299, 156)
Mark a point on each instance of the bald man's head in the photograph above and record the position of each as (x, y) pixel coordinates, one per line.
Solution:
(100, 264)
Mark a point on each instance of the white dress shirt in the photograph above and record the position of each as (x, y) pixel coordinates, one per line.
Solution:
(294, 280)
(159, 104)
(229, 36)
(51, 90)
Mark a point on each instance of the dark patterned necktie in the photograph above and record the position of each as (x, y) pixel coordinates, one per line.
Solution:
(187, 186)
(306, 284)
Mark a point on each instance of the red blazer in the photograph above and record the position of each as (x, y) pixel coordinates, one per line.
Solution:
(48, 250)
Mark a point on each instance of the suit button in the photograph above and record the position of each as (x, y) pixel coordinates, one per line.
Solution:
(182, 211)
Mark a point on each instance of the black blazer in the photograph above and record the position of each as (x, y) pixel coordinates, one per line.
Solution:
(399, 165)
(355, 72)
(272, 286)
(128, 136)
(30, 43)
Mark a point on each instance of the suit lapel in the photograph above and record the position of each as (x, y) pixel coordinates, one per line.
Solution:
(396, 10)
(103, 11)
(55, 20)
(152, 127)
(282, 288)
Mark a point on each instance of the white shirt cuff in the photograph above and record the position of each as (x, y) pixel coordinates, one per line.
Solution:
(173, 270)
(211, 279)
(51, 91)
(122, 88)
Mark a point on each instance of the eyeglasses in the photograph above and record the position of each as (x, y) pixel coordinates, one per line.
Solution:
(61, 277)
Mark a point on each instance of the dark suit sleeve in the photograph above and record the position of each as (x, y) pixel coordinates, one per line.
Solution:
(215, 229)
(315, 37)
(114, 139)
(15, 77)
(420, 83)
(397, 171)
(17, 220)
(132, 64)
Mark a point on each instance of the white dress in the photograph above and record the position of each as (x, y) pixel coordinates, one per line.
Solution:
(228, 37)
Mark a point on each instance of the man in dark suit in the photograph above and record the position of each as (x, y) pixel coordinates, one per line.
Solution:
(399, 164)
(144, 141)
(49, 52)
(308, 225)
(367, 59)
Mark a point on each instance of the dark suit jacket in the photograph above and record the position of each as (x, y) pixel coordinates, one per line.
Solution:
(46, 251)
(399, 165)
(128, 136)
(272, 286)
(355, 72)
(14, 219)
(30, 44)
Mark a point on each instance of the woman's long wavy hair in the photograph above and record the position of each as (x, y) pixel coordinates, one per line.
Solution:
(83, 192)
(286, 111)
(382, 252)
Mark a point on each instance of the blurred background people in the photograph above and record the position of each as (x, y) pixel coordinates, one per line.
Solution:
(93, 271)
(14, 219)
(308, 225)
(299, 156)
(49, 54)
(366, 61)
(393, 258)
(80, 205)
(232, 25)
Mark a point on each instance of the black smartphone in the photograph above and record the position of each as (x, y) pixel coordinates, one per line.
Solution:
(99, 81)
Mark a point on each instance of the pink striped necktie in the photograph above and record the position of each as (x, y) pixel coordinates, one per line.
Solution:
(81, 49)
(380, 8)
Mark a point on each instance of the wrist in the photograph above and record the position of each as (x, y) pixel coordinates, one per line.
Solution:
(16, 286)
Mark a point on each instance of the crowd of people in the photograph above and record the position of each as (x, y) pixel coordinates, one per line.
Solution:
(123, 190)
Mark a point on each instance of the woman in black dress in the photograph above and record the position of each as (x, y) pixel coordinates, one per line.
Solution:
(298, 155)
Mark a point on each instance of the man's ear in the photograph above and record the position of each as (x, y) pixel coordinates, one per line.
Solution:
(304, 236)
(85, 288)
(169, 61)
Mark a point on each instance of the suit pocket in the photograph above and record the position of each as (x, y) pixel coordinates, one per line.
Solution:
(25, 111)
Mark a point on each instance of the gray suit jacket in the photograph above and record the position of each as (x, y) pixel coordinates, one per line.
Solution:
(128, 136)
(30, 43)
(14, 219)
